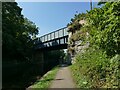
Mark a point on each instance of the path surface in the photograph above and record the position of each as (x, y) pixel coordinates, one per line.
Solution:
(63, 79)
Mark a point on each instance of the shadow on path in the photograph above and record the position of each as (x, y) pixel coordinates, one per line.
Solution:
(63, 78)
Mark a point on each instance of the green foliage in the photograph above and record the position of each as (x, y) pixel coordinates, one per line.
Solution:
(46, 80)
(104, 27)
(74, 24)
(17, 46)
(78, 17)
(55, 54)
(79, 35)
(77, 29)
(17, 33)
(94, 70)
(98, 67)
(81, 81)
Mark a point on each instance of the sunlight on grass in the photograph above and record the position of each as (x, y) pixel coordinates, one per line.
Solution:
(46, 80)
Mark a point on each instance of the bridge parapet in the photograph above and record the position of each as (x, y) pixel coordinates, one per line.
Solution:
(54, 38)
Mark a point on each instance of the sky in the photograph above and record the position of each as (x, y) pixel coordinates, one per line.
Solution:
(51, 16)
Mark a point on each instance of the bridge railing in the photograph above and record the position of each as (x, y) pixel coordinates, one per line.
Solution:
(53, 35)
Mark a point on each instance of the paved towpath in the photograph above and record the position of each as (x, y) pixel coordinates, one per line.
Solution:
(63, 78)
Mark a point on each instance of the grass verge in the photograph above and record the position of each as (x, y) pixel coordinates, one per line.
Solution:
(79, 79)
(45, 81)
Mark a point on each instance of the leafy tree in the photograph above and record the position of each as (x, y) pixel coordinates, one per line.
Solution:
(17, 32)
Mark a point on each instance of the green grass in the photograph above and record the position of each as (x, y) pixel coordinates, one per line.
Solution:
(46, 80)
(79, 79)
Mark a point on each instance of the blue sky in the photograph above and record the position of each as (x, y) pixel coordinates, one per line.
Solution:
(50, 16)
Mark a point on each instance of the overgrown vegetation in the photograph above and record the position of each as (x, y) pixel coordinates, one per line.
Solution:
(17, 45)
(19, 69)
(98, 66)
(46, 80)
(94, 70)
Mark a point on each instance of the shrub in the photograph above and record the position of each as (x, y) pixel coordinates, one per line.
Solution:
(96, 70)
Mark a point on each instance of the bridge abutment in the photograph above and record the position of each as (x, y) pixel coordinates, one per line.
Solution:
(39, 61)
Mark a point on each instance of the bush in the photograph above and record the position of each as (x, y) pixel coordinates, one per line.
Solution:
(93, 69)
(104, 27)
